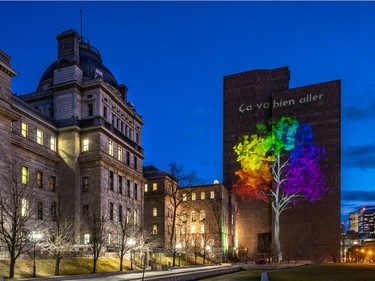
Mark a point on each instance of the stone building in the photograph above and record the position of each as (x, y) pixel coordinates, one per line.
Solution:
(158, 213)
(79, 137)
(208, 222)
(205, 222)
(308, 231)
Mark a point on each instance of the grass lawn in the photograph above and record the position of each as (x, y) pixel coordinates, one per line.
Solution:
(46, 267)
(327, 272)
(246, 275)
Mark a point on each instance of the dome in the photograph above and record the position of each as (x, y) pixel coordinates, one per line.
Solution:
(90, 61)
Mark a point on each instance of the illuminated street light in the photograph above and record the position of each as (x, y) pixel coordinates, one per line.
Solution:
(35, 237)
(178, 248)
(131, 243)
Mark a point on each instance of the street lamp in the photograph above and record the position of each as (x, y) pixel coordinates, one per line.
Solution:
(35, 237)
(208, 250)
(178, 248)
(131, 243)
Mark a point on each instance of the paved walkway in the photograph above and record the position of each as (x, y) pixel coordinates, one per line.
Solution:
(131, 275)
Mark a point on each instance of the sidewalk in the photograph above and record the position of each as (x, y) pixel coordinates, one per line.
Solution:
(174, 274)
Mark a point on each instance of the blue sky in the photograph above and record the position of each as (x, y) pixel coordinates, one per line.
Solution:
(173, 56)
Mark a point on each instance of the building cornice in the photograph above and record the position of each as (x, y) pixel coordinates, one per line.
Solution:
(7, 69)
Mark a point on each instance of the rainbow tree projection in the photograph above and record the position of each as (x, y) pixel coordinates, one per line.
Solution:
(283, 156)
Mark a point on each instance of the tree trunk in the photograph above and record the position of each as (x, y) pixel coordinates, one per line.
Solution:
(174, 257)
(121, 260)
(94, 266)
(277, 235)
(12, 266)
(173, 237)
(57, 266)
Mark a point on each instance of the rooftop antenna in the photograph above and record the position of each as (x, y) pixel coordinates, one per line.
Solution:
(81, 22)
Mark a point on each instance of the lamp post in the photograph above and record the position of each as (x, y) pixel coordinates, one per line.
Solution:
(131, 243)
(178, 248)
(35, 237)
(208, 250)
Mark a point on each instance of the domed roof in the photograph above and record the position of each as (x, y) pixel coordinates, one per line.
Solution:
(90, 61)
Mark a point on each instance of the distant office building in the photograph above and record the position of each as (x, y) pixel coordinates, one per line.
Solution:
(78, 139)
(363, 221)
(308, 231)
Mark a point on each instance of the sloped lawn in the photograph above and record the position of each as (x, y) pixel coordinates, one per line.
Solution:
(327, 272)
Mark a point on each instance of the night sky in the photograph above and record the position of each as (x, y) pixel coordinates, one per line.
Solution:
(173, 55)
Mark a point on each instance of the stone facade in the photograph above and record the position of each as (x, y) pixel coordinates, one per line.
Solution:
(206, 216)
(83, 132)
(308, 231)
(208, 222)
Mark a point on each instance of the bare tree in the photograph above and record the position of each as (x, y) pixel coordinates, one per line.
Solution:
(175, 197)
(145, 242)
(59, 236)
(97, 225)
(17, 207)
(126, 231)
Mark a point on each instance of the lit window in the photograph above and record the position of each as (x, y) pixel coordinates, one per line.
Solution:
(53, 143)
(24, 129)
(128, 215)
(154, 229)
(184, 197)
(86, 238)
(212, 194)
(203, 195)
(146, 187)
(39, 179)
(202, 228)
(154, 186)
(110, 238)
(193, 196)
(25, 175)
(119, 153)
(193, 228)
(155, 212)
(24, 207)
(110, 148)
(184, 217)
(135, 217)
(39, 136)
(85, 184)
(52, 183)
(85, 145)
(202, 216)
(193, 216)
